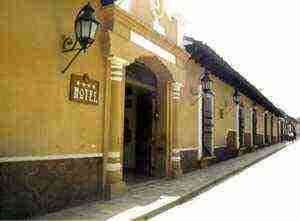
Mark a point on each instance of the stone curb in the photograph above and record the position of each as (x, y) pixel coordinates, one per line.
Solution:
(202, 189)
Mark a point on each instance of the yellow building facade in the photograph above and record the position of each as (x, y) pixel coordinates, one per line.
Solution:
(145, 122)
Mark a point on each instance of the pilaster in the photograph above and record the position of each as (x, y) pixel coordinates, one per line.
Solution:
(175, 158)
(113, 167)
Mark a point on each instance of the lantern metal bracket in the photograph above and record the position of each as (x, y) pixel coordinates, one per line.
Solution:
(69, 44)
(72, 60)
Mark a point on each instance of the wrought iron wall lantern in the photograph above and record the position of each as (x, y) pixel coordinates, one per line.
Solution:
(206, 82)
(237, 97)
(86, 27)
(206, 87)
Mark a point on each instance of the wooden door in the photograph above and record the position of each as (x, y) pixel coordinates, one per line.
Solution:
(144, 134)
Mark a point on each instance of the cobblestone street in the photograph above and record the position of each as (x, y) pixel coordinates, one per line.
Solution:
(151, 196)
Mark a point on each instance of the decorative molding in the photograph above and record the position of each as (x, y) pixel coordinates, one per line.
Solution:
(117, 66)
(157, 10)
(187, 149)
(152, 47)
(114, 154)
(113, 12)
(219, 146)
(175, 159)
(48, 157)
(113, 167)
(176, 90)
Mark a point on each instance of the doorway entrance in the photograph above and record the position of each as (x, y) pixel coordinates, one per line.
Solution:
(139, 126)
(266, 129)
(272, 134)
(207, 125)
(241, 126)
(254, 127)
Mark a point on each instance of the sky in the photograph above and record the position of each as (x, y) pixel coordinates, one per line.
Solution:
(258, 38)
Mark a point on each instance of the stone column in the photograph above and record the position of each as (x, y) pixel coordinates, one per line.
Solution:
(175, 158)
(114, 173)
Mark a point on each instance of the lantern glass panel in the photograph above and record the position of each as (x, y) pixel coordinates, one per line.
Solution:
(78, 29)
(210, 84)
(93, 30)
(236, 97)
(203, 85)
(206, 83)
(85, 28)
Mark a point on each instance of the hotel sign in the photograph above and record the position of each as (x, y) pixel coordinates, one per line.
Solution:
(84, 90)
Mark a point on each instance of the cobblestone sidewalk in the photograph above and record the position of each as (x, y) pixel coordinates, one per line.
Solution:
(154, 197)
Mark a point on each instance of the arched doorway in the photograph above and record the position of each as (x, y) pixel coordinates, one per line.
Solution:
(144, 153)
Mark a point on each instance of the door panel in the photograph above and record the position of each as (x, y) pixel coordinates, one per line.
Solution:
(144, 134)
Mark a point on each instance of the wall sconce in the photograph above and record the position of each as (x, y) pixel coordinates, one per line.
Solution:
(206, 82)
(237, 97)
(86, 27)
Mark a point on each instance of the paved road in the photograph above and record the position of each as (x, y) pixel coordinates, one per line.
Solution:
(269, 190)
